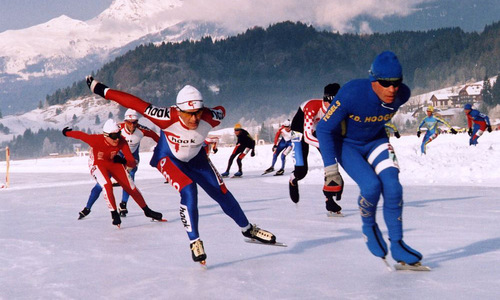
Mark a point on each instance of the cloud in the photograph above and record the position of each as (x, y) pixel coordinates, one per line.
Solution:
(337, 15)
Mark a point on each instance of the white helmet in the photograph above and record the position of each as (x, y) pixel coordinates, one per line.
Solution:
(189, 98)
(110, 127)
(131, 115)
(287, 123)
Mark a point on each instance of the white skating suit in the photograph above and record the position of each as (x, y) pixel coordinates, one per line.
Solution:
(182, 161)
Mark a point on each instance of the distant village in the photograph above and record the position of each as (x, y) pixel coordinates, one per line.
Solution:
(448, 103)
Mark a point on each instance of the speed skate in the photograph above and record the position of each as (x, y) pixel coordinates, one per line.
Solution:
(254, 241)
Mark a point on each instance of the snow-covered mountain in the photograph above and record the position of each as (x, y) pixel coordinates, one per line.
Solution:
(37, 60)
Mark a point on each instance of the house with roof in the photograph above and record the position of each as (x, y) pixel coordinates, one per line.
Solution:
(469, 93)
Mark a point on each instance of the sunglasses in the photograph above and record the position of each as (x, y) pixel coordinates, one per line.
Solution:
(113, 135)
(132, 122)
(388, 83)
(192, 113)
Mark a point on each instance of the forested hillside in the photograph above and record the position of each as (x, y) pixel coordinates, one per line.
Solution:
(270, 71)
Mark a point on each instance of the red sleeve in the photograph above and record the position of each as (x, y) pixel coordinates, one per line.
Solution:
(149, 133)
(277, 136)
(80, 135)
(213, 116)
(160, 116)
(126, 153)
(469, 121)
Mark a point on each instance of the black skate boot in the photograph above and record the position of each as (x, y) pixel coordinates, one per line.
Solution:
(152, 214)
(123, 209)
(197, 251)
(260, 235)
(293, 187)
(334, 210)
(85, 212)
(279, 172)
(116, 218)
(268, 170)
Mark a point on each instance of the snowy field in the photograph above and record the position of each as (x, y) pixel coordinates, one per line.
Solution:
(451, 215)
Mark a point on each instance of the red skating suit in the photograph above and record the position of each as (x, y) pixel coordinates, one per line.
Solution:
(102, 166)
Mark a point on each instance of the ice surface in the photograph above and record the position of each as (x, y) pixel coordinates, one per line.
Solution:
(451, 215)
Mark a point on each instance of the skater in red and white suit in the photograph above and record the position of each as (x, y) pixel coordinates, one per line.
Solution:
(104, 162)
(304, 127)
(180, 157)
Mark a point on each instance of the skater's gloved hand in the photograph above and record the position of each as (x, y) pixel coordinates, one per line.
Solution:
(274, 148)
(96, 87)
(119, 160)
(252, 154)
(418, 133)
(396, 134)
(469, 132)
(334, 184)
(214, 150)
(65, 130)
(453, 131)
(489, 128)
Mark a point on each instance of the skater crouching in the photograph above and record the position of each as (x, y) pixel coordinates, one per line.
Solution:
(180, 158)
(104, 162)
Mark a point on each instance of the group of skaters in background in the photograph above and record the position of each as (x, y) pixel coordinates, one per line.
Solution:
(348, 126)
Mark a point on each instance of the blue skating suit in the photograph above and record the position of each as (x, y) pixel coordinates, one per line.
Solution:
(431, 123)
(352, 132)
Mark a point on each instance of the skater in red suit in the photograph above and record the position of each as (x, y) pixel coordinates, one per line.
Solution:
(104, 162)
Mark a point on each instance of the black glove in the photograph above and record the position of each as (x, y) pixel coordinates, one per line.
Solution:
(66, 129)
(214, 150)
(119, 160)
(489, 128)
(274, 148)
(396, 134)
(453, 131)
(95, 86)
(469, 132)
(418, 133)
(334, 184)
(252, 154)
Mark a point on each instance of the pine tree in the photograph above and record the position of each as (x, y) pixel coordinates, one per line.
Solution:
(486, 92)
(97, 120)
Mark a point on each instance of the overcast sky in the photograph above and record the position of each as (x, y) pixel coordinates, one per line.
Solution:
(365, 16)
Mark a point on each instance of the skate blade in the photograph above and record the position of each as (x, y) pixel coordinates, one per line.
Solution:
(118, 226)
(203, 264)
(277, 244)
(332, 214)
(415, 267)
(162, 220)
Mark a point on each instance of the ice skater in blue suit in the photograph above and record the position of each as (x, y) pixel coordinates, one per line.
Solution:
(431, 122)
(352, 134)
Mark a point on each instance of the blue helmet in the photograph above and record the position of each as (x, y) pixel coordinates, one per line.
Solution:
(468, 106)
